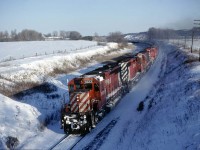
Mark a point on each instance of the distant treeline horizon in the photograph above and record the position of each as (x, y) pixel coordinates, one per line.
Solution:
(157, 33)
(152, 33)
(32, 35)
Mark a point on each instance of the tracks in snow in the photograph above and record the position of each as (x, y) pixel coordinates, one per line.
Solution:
(70, 141)
(66, 139)
(101, 136)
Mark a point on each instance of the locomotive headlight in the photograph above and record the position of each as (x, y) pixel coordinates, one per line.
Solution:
(83, 117)
(81, 123)
(67, 122)
(85, 120)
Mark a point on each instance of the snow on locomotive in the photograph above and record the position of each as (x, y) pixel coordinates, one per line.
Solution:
(95, 93)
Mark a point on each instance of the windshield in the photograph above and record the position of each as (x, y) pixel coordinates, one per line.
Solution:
(88, 86)
(79, 86)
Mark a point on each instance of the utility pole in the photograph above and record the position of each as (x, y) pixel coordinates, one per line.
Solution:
(196, 22)
(199, 54)
(185, 42)
(192, 40)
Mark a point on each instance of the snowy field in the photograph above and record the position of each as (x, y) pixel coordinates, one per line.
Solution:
(20, 50)
(187, 43)
(170, 119)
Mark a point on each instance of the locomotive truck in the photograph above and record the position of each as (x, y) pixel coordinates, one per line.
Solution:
(95, 93)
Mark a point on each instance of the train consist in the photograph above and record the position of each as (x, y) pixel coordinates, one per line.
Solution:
(95, 93)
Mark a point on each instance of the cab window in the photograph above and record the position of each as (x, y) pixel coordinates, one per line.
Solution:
(88, 86)
(96, 87)
(71, 87)
(79, 86)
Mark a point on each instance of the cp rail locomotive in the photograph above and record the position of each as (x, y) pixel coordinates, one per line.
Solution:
(95, 93)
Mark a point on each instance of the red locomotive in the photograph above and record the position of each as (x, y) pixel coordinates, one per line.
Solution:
(95, 93)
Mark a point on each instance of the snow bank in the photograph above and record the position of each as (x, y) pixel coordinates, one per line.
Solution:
(17, 120)
(173, 117)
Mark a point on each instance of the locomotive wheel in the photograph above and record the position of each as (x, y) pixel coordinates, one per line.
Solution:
(86, 129)
(89, 128)
(83, 130)
(89, 124)
(108, 109)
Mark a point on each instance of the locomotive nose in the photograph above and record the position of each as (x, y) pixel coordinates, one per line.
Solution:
(80, 102)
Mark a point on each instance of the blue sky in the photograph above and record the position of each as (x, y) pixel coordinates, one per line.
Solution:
(100, 16)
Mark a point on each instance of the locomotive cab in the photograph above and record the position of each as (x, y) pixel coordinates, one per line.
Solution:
(79, 114)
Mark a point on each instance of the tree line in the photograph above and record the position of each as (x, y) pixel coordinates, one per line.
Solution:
(157, 33)
(72, 35)
(32, 35)
(24, 35)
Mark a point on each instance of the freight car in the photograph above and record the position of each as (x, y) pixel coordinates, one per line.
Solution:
(95, 93)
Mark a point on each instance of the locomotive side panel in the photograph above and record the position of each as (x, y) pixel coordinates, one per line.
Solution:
(115, 82)
(141, 62)
(153, 53)
(112, 82)
(102, 102)
(133, 69)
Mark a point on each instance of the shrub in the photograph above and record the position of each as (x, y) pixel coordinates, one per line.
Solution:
(12, 142)
(140, 106)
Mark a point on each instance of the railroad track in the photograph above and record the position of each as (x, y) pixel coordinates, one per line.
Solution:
(69, 142)
(62, 139)
(61, 144)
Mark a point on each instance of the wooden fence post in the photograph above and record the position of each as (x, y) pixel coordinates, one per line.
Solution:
(199, 54)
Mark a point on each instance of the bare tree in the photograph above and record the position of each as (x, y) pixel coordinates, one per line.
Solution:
(29, 35)
(1, 36)
(13, 35)
(62, 34)
(156, 33)
(55, 34)
(4, 36)
(96, 37)
(74, 35)
(48, 35)
(116, 37)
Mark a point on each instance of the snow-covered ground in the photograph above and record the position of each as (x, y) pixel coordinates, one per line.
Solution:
(17, 120)
(136, 36)
(20, 50)
(170, 119)
(187, 43)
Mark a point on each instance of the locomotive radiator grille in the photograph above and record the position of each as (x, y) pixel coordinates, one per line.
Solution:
(80, 102)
